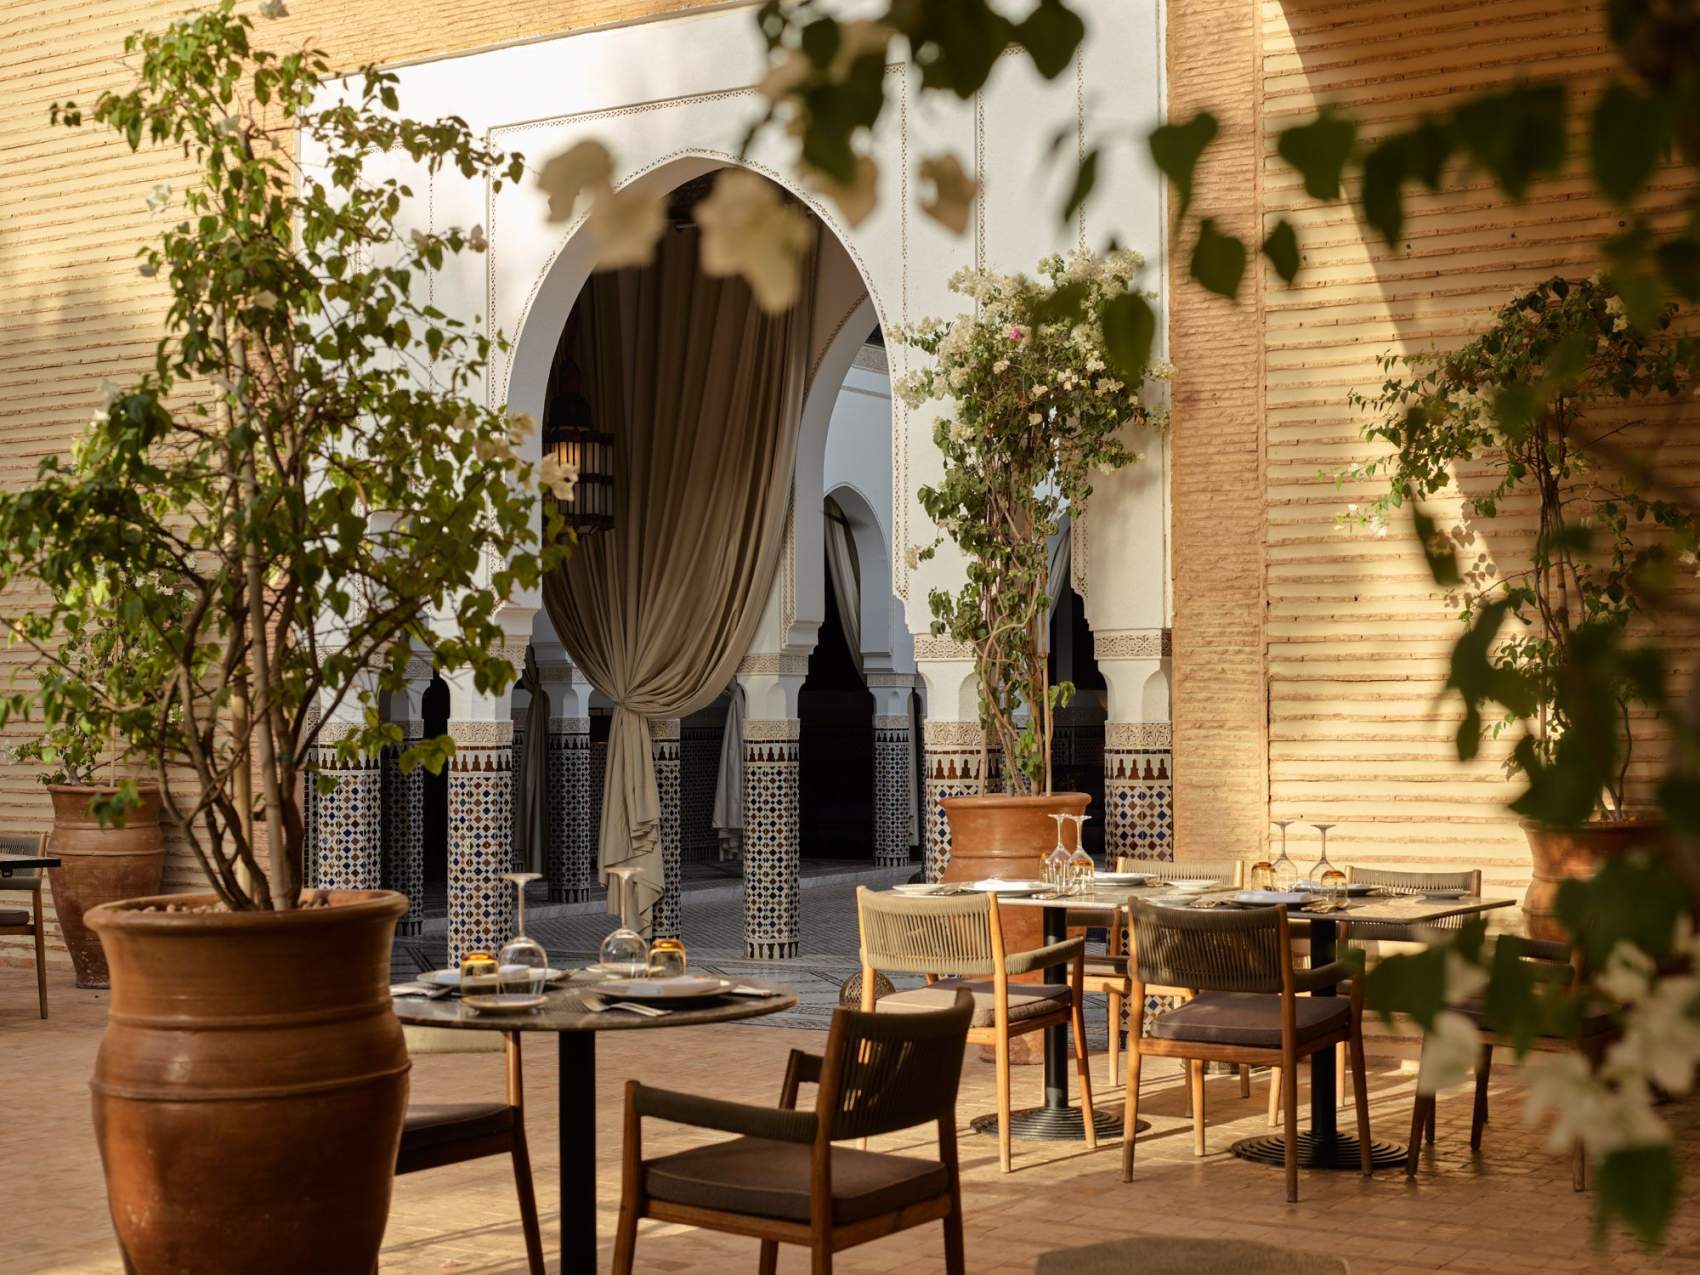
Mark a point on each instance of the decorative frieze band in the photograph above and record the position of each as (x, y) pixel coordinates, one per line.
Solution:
(1138, 734)
(890, 679)
(662, 728)
(1133, 644)
(947, 734)
(482, 734)
(929, 647)
(569, 725)
(774, 664)
(334, 732)
(419, 669)
(772, 729)
(873, 359)
(896, 721)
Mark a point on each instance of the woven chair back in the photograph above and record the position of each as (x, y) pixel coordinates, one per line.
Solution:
(1410, 883)
(1227, 871)
(1210, 951)
(25, 843)
(894, 1071)
(948, 936)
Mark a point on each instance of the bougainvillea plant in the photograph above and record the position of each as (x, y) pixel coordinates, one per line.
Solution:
(1031, 411)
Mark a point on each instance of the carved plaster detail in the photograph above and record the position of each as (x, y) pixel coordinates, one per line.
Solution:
(929, 647)
(894, 721)
(1133, 644)
(774, 664)
(1138, 735)
(891, 679)
(482, 734)
(772, 729)
(662, 728)
(947, 734)
(569, 725)
(872, 358)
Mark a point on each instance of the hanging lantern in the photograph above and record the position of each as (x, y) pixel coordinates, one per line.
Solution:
(571, 437)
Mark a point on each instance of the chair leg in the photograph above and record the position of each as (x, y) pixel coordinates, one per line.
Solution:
(820, 1257)
(1084, 1068)
(1115, 1025)
(1419, 1118)
(625, 1238)
(768, 1263)
(1130, 1111)
(1290, 1128)
(1195, 1068)
(41, 963)
(1428, 1126)
(1479, 1115)
(1002, 1051)
(1245, 1080)
(955, 1256)
(1360, 1099)
(1578, 1167)
(1340, 1074)
(1274, 1096)
(528, 1206)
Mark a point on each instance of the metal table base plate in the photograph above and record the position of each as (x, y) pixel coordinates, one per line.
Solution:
(1054, 1124)
(1272, 1149)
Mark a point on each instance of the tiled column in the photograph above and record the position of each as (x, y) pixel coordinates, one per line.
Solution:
(404, 808)
(310, 809)
(664, 751)
(569, 858)
(771, 848)
(1137, 809)
(894, 768)
(953, 757)
(349, 854)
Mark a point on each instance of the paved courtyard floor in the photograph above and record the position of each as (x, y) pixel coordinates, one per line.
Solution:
(1506, 1212)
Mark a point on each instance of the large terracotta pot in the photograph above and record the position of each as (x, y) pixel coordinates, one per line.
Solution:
(1560, 854)
(250, 1089)
(99, 865)
(1007, 838)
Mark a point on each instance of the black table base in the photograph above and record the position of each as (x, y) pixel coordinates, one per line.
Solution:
(1272, 1149)
(1054, 1124)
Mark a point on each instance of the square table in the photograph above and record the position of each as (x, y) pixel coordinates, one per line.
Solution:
(1322, 1146)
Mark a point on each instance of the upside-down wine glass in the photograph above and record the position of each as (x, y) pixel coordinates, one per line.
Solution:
(1283, 873)
(1322, 867)
(1056, 862)
(1081, 869)
(522, 964)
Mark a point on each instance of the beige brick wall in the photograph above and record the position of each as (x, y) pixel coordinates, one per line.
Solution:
(1355, 636)
(73, 310)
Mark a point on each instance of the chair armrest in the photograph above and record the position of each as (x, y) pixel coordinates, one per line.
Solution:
(1329, 975)
(801, 1069)
(1041, 957)
(728, 1117)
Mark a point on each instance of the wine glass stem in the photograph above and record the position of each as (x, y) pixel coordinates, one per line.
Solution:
(519, 908)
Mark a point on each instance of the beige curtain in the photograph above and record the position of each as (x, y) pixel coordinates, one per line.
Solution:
(845, 573)
(728, 813)
(704, 393)
(531, 816)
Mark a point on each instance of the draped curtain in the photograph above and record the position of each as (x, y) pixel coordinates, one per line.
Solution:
(845, 573)
(703, 392)
(728, 816)
(531, 825)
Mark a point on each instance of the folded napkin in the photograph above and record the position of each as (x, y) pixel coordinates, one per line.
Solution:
(410, 989)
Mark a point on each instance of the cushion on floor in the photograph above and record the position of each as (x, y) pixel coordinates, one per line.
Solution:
(14, 918)
(1242, 1018)
(765, 1178)
(436, 1124)
(1026, 1000)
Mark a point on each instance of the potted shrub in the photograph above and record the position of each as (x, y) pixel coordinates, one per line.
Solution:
(1033, 408)
(100, 860)
(1510, 419)
(309, 465)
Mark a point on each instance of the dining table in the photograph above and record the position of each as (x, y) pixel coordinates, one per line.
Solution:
(10, 863)
(575, 1028)
(1322, 1145)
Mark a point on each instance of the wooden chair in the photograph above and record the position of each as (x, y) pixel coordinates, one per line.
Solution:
(957, 943)
(1107, 972)
(1248, 1011)
(782, 1180)
(27, 922)
(452, 1133)
(1548, 962)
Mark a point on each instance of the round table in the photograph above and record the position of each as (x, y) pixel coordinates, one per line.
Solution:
(575, 1031)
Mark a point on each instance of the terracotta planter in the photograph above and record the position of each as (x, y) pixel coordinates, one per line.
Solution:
(1560, 854)
(99, 865)
(250, 1089)
(1008, 838)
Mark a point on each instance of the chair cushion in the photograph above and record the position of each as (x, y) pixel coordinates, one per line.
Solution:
(14, 918)
(1026, 1000)
(1249, 1019)
(764, 1178)
(436, 1124)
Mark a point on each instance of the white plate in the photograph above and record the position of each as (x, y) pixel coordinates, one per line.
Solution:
(451, 978)
(505, 1003)
(1270, 898)
(681, 987)
(995, 885)
(1122, 878)
(915, 887)
(1446, 894)
(1193, 887)
(1354, 888)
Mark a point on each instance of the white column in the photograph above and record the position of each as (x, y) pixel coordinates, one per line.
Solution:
(894, 768)
(772, 929)
(1138, 756)
(404, 801)
(954, 744)
(569, 859)
(347, 810)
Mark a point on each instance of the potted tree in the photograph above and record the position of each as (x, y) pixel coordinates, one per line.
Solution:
(100, 860)
(1531, 417)
(1034, 407)
(309, 466)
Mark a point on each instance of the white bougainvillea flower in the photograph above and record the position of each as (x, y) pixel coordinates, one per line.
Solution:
(557, 478)
(420, 240)
(1661, 1038)
(159, 197)
(585, 166)
(521, 426)
(230, 125)
(953, 191)
(1450, 1049)
(785, 75)
(110, 392)
(749, 229)
(1463, 980)
(1602, 1117)
(489, 449)
(475, 239)
(147, 269)
(1628, 974)
(856, 40)
(625, 226)
(273, 9)
(856, 200)
(264, 299)
(912, 557)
